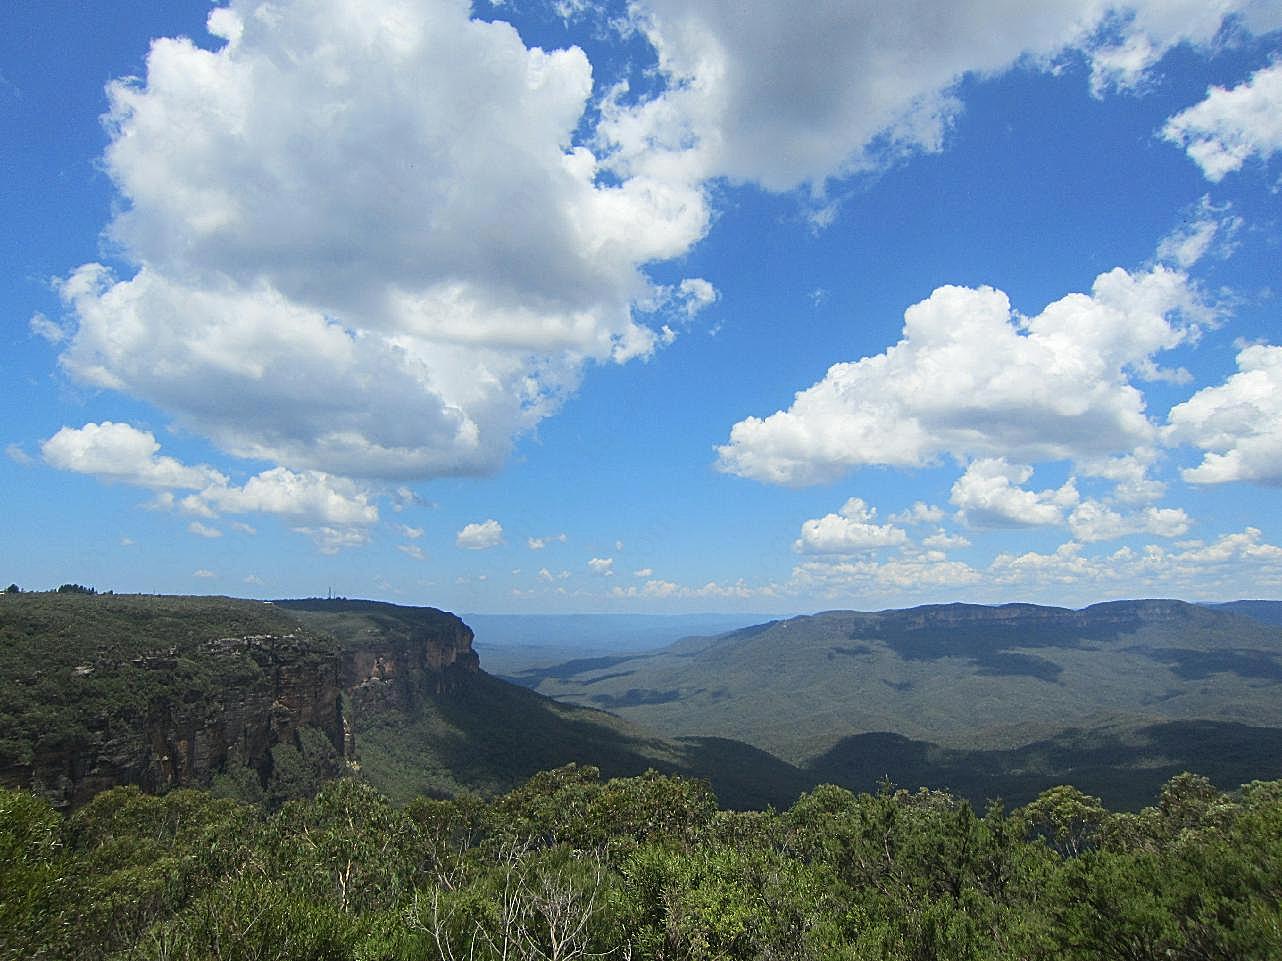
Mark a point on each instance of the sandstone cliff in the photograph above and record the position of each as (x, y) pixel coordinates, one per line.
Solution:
(159, 692)
(392, 657)
(166, 692)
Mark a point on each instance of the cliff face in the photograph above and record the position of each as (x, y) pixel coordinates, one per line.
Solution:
(392, 657)
(1110, 615)
(166, 692)
(404, 672)
(183, 737)
(161, 692)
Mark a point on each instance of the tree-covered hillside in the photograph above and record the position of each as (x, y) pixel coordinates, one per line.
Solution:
(964, 677)
(568, 866)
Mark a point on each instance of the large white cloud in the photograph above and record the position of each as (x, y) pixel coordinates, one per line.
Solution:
(758, 91)
(379, 240)
(973, 379)
(1238, 424)
(365, 241)
(1232, 126)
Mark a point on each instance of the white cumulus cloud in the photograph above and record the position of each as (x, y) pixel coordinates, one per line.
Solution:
(603, 566)
(1232, 126)
(1238, 424)
(974, 379)
(123, 453)
(480, 536)
(309, 494)
(756, 92)
(988, 495)
(367, 243)
(853, 528)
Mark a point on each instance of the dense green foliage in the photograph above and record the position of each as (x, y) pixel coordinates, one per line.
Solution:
(570, 866)
(79, 668)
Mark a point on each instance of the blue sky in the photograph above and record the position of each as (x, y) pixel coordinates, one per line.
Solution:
(557, 306)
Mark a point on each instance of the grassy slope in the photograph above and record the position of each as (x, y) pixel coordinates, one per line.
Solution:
(798, 687)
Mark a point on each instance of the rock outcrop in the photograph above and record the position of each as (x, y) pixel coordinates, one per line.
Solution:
(392, 657)
(157, 692)
(154, 691)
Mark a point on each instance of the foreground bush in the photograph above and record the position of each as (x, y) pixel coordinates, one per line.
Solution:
(568, 866)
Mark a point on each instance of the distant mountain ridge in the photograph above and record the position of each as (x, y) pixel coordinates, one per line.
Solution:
(1267, 612)
(264, 700)
(964, 676)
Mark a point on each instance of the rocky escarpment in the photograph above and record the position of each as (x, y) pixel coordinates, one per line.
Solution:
(392, 657)
(1126, 615)
(162, 692)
